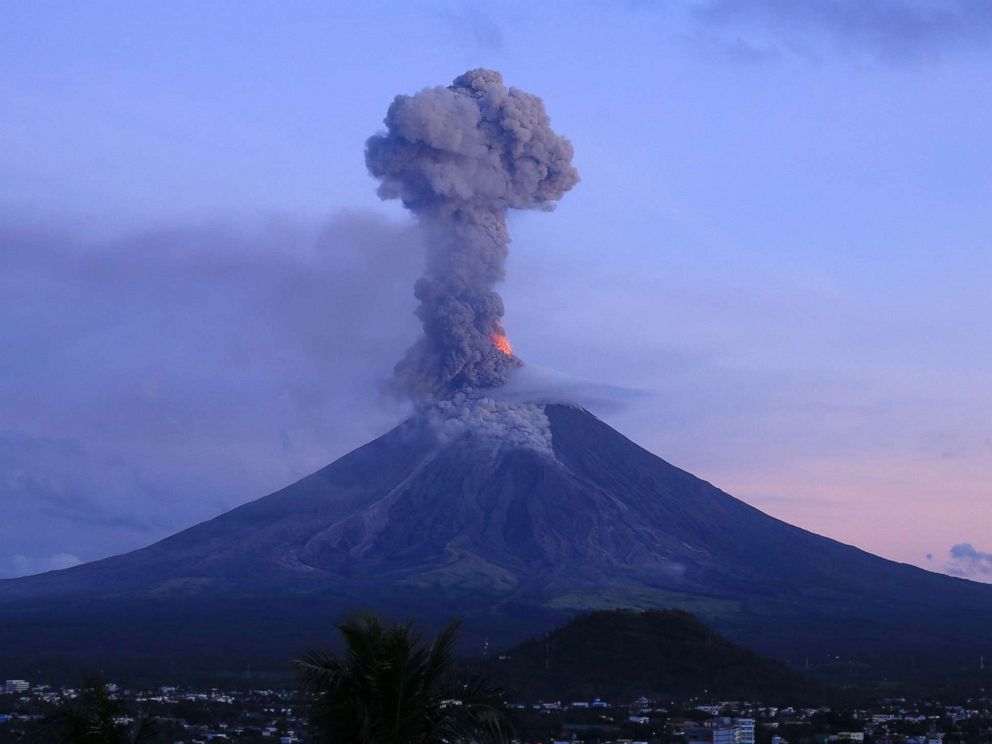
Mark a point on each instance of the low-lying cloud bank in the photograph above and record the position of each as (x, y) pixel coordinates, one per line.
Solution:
(162, 377)
(22, 565)
(889, 30)
(970, 563)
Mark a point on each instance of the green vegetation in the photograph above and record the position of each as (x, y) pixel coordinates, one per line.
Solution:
(95, 716)
(389, 686)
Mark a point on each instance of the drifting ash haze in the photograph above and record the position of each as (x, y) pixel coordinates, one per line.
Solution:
(459, 157)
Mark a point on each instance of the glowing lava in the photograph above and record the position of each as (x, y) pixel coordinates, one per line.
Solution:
(501, 342)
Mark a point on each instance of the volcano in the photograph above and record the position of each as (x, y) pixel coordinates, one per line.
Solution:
(514, 517)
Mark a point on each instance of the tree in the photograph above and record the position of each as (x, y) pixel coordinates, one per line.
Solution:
(389, 686)
(95, 716)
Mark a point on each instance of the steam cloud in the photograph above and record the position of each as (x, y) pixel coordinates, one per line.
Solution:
(491, 423)
(458, 157)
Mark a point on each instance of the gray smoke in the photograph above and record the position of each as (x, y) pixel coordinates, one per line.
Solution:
(492, 424)
(459, 157)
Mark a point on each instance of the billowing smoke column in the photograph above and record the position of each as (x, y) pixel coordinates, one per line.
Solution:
(459, 157)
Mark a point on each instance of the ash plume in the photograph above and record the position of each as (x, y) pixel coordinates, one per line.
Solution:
(459, 157)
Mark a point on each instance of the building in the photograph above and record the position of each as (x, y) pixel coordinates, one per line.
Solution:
(724, 735)
(16, 685)
(743, 731)
(722, 730)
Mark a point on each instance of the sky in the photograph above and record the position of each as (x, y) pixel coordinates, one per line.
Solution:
(781, 241)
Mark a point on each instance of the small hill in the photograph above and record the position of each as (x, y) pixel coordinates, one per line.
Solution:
(623, 654)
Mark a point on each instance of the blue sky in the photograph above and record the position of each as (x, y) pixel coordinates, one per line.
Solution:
(782, 236)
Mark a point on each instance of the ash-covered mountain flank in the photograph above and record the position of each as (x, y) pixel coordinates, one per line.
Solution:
(512, 516)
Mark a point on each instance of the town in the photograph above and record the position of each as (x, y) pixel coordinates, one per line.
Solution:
(186, 715)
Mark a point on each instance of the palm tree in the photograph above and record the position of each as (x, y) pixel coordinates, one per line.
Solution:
(391, 687)
(97, 717)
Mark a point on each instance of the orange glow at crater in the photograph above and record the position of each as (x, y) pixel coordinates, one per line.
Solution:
(501, 342)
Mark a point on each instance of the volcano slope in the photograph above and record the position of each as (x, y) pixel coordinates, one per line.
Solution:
(514, 526)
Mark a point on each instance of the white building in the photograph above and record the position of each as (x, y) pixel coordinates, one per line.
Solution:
(743, 731)
(16, 685)
(724, 735)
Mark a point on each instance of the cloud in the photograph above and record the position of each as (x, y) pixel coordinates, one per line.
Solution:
(970, 563)
(532, 383)
(60, 479)
(158, 378)
(890, 30)
(22, 565)
(471, 26)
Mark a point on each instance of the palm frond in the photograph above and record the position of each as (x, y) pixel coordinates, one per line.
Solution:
(390, 686)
